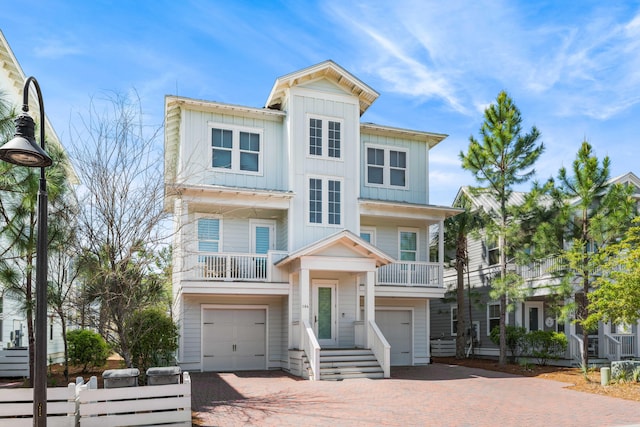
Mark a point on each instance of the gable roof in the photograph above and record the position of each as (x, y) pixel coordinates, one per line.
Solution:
(345, 238)
(329, 70)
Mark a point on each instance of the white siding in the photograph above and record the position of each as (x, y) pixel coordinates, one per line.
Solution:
(420, 324)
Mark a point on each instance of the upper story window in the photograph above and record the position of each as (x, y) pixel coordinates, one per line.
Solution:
(325, 133)
(386, 167)
(368, 234)
(237, 150)
(208, 234)
(325, 192)
(408, 245)
(492, 252)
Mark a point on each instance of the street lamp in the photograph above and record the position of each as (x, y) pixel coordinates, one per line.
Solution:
(22, 150)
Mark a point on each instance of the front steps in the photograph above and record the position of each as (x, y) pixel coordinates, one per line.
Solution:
(341, 364)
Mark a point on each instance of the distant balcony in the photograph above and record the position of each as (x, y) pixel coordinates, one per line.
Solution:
(425, 274)
(537, 270)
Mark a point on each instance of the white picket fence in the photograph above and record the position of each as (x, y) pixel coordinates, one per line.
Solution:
(83, 404)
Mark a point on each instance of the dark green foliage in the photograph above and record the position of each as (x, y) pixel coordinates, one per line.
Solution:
(153, 338)
(545, 345)
(87, 348)
(515, 337)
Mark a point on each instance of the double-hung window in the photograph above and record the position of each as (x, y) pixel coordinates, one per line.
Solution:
(386, 167)
(325, 201)
(325, 138)
(408, 245)
(236, 149)
(493, 316)
(208, 235)
(454, 321)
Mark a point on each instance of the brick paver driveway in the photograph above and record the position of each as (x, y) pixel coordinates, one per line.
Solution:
(434, 395)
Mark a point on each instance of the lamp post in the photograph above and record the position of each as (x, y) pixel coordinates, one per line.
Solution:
(22, 150)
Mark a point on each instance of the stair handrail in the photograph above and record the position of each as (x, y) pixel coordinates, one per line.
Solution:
(577, 341)
(312, 350)
(617, 346)
(380, 347)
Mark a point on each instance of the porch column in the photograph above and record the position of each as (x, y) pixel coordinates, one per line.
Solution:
(518, 314)
(369, 305)
(440, 252)
(304, 301)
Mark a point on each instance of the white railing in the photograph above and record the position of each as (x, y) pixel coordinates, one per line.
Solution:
(540, 268)
(576, 347)
(312, 350)
(380, 347)
(627, 344)
(235, 266)
(612, 347)
(18, 402)
(410, 273)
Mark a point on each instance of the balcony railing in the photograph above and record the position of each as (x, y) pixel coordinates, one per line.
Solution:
(410, 274)
(236, 267)
(540, 268)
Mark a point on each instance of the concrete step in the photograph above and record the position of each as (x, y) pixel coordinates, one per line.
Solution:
(348, 376)
(347, 363)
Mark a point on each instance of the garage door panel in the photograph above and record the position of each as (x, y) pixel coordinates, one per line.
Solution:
(395, 325)
(234, 339)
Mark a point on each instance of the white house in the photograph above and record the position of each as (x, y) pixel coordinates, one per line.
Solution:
(13, 323)
(538, 310)
(302, 234)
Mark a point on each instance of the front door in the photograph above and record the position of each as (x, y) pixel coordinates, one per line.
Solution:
(324, 312)
(533, 312)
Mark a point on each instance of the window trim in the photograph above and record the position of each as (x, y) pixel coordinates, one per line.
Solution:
(371, 230)
(324, 201)
(490, 304)
(408, 230)
(386, 167)
(200, 216)
(324, 141)
(235, 148)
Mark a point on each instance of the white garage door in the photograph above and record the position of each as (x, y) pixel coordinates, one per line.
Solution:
(395, 325)
(233, 339)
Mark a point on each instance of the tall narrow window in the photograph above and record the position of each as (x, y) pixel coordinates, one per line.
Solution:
(375, 166)
(249, 151)
(397, 168)
(454, 321)
(208, 235)
(334, 202)
(315, 201)
(493, 317)
(334, 139)
(222, 144)
(315, 137)
(408, 246)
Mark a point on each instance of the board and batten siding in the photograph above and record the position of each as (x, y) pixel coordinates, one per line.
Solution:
(417, 190)
(327, 104)
(420, 323)
(195, 151)
(192, 326)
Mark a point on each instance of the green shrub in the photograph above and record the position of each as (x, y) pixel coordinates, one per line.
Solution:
(87, 348)
(515, 335)
(545, 345)
(153, 338)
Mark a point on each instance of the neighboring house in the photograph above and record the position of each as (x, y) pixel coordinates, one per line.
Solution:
(538, 311)
(13, 323)
(301, 230)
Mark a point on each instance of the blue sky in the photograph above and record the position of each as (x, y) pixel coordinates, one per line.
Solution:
(573, 68)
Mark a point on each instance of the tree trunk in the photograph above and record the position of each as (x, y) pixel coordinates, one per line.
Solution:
(461, 245)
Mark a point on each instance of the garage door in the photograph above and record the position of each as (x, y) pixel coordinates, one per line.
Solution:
(233, 339)
(395, 325)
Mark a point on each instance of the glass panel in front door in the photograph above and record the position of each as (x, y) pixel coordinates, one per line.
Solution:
(533, 319)
(325, 307)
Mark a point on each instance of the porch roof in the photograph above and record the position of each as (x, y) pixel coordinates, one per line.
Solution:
(345, 238)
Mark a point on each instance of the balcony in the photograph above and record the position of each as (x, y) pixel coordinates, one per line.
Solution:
(235, 267)
(419, 274)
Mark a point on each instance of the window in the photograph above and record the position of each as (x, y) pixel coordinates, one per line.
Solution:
(236, 150)
(325, 192)
(454, 321)
(493, 316)
(334, 202)
(315, 201)
(208, 235)
(368, 234)
(492, 252)
(325, 133)
(386, 167)
(408, 245)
